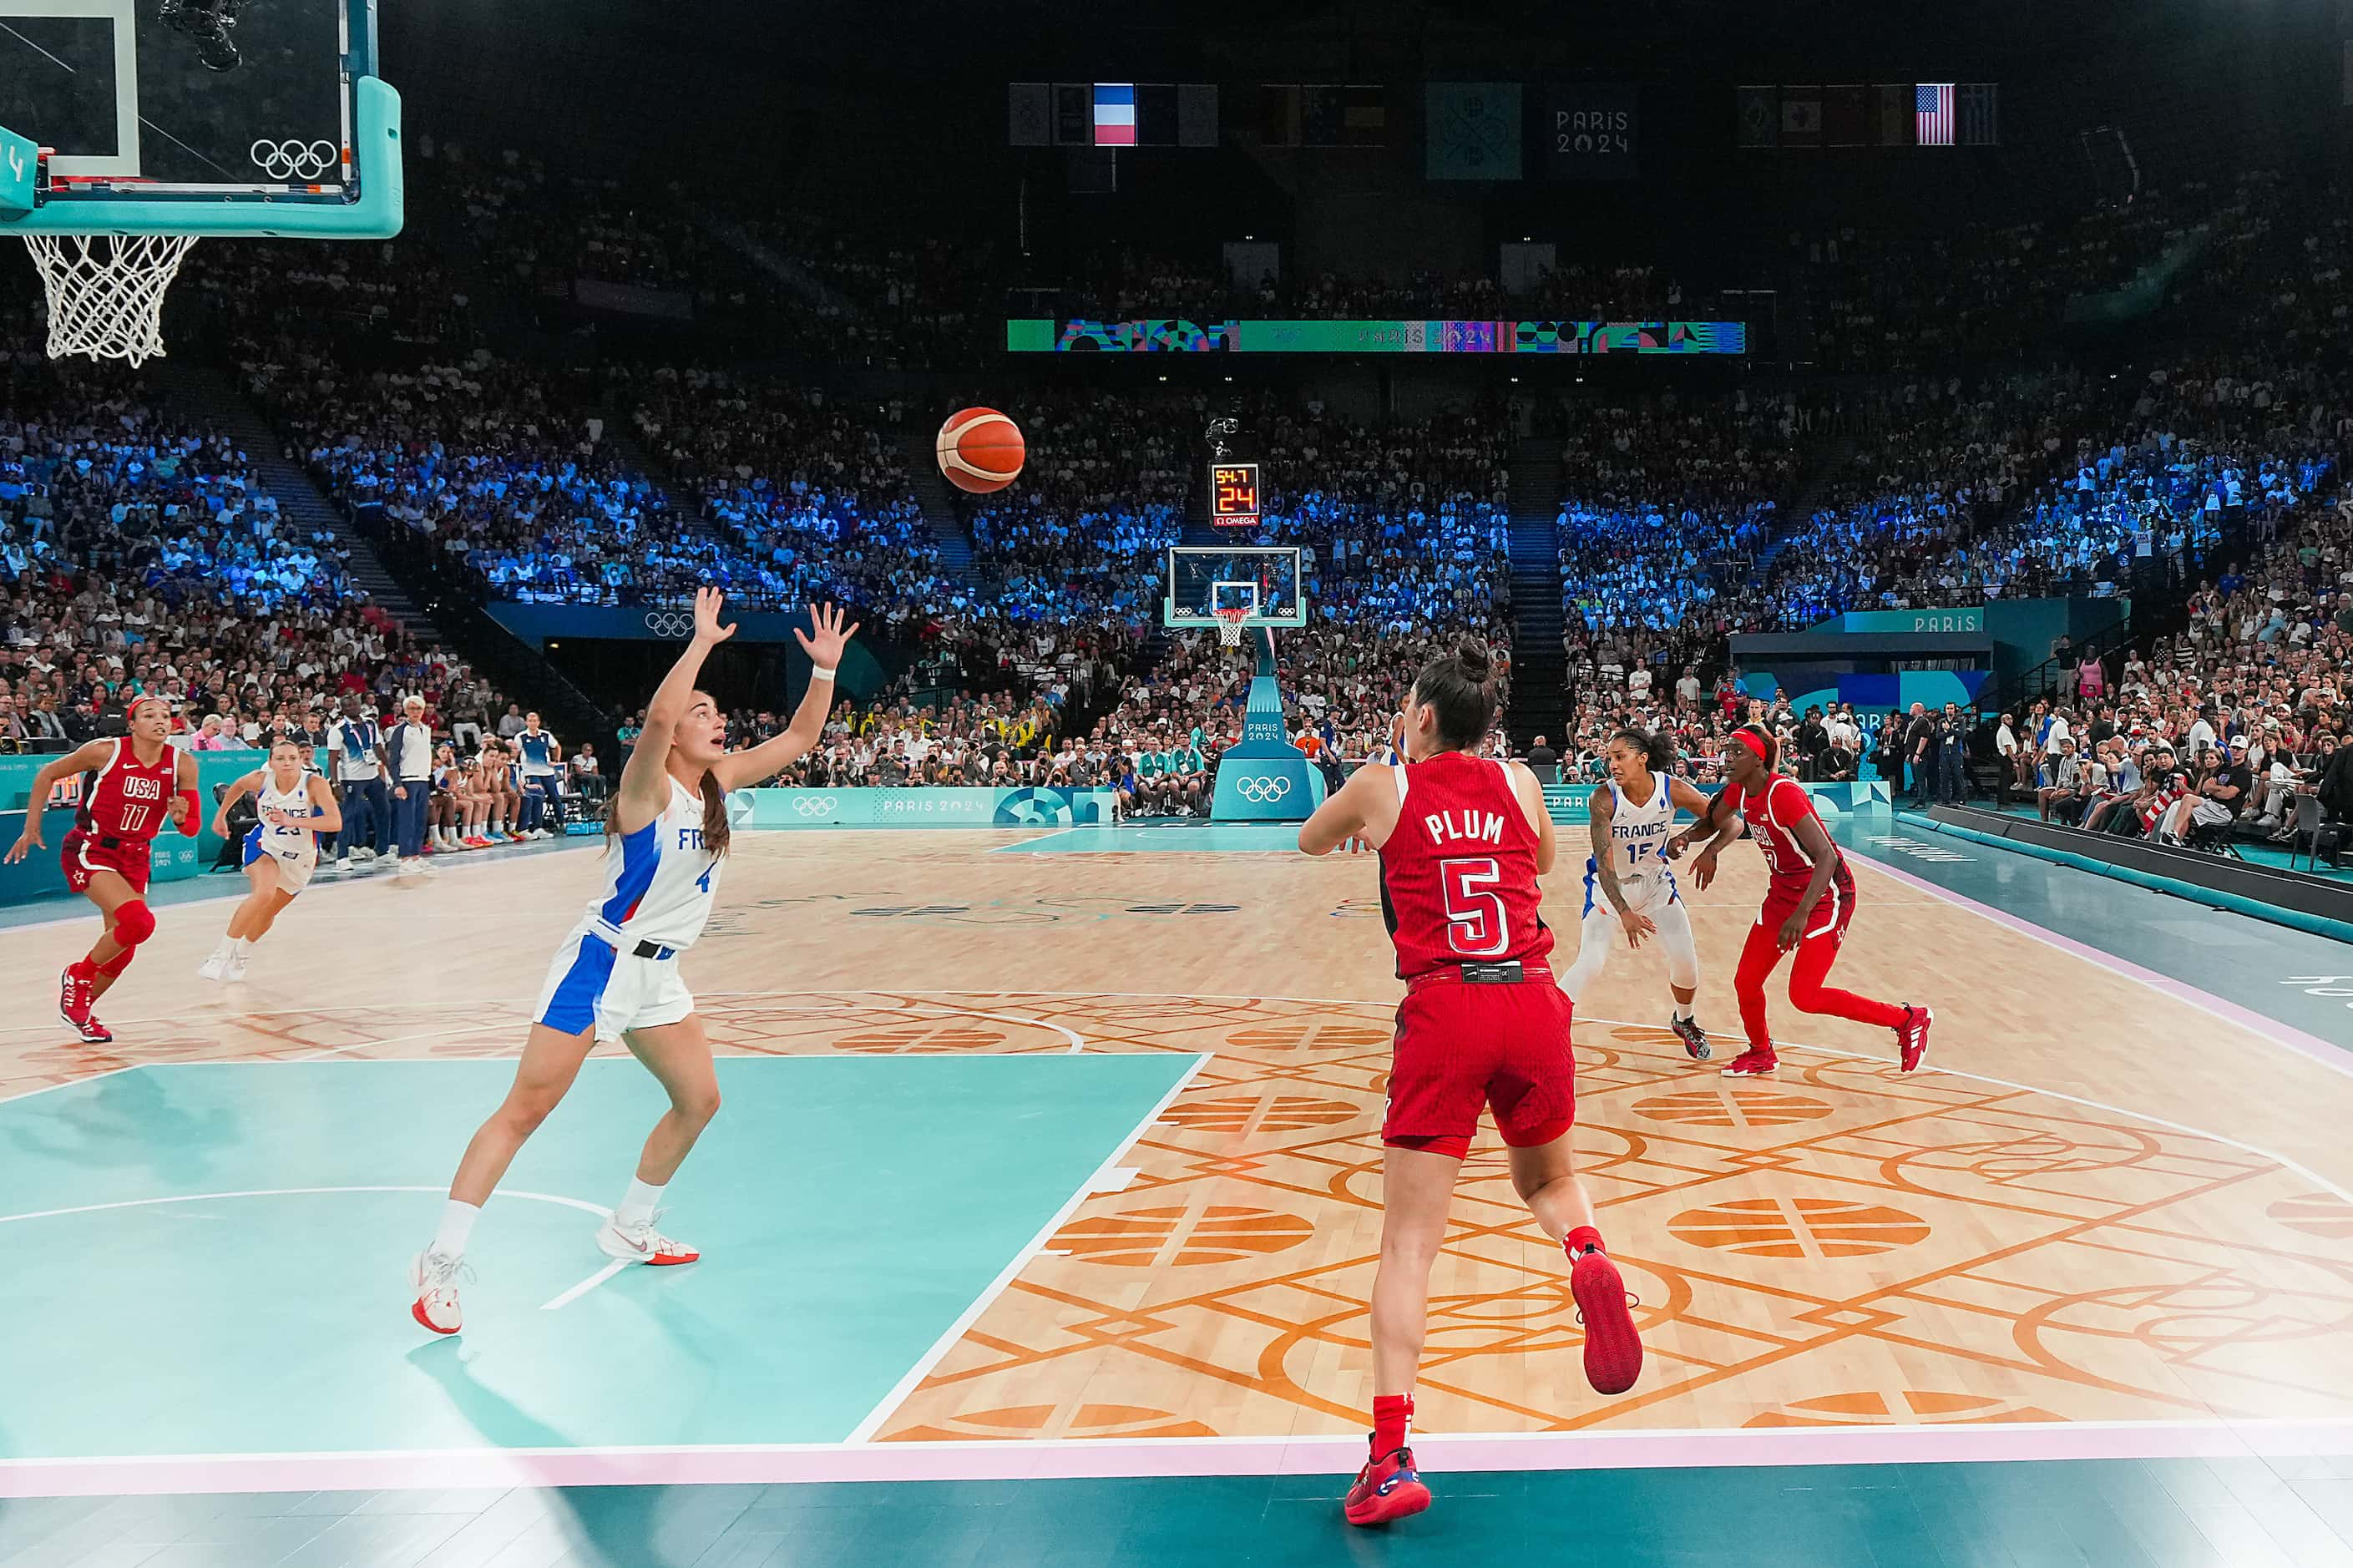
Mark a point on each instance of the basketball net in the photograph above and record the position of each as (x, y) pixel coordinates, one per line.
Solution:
(106, 290)
(1229, 626)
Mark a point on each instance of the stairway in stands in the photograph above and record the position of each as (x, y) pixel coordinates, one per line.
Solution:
(1829, 459)
(205, 392)
(1539, 705)
(937, 497)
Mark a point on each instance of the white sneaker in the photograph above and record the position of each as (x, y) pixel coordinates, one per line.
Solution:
(334, 867)
(213, 967)
(420, 866)
(364, 856)
(434, 1277)
(234, 967)
(642, 1243)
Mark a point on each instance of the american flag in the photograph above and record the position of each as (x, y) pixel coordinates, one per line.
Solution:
(1932, 107)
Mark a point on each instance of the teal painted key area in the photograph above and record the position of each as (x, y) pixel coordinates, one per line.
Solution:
(182, 1201)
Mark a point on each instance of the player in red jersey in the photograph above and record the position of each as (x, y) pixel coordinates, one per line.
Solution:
(1808, 908)
(1463, 839)
(141, 783)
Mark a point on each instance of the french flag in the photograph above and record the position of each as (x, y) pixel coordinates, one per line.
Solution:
(1115, 114)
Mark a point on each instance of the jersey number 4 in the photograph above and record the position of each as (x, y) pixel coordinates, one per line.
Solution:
(1475, 927)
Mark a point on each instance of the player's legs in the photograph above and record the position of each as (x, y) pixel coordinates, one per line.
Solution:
(1417, 1189)
(1544, 1175)
(1682, 949)
(1809, 994)
(550, 1061)
(128, 922)
(1758, 957)
(678, 1055)
(1594, 938)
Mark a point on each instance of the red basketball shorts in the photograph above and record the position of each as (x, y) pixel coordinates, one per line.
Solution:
(84, 855)
(1463, 1048)
(1829, 918)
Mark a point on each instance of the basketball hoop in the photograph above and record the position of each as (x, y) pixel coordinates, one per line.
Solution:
(106, 290)
(1229, 625)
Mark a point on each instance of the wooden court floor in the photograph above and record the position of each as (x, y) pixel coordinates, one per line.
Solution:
(2106, 1205)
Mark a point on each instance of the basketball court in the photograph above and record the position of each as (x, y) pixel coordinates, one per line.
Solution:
(1047, 1189)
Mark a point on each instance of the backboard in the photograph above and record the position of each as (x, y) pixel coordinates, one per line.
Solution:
(200, 117)
(1266, 581)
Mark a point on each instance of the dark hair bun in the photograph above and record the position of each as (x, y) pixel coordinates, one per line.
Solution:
(1477, 663)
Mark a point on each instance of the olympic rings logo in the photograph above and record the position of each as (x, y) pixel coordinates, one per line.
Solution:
(306, 160)
(814, 806)
(669, 623)
(1260, 790)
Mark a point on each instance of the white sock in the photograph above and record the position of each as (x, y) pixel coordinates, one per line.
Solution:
(639, 1207)
(1682, 1011)
(241, 946)
(228, 945)
(457, 1224)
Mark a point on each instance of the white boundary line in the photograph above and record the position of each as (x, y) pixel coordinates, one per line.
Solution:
(581, 1204)
(2275, 1031)
(864, 1431)
(568, 1297)
(1160, 1458)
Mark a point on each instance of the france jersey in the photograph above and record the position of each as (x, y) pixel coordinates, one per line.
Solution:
(296, 849)
(660, 881)
(618, 969)
(1638, 837)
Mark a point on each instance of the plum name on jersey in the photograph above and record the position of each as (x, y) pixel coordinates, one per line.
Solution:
(1450, 826)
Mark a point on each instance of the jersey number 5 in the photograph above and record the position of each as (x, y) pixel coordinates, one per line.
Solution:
(1475, 922)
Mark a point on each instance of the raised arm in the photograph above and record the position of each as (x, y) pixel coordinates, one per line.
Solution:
(798, 739)
(81, 760)
(1362, 812)
(645, 779)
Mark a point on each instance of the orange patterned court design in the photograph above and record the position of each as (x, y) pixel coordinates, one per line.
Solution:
(2130, 1215)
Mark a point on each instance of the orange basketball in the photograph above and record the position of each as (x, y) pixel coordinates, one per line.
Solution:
(980, 450)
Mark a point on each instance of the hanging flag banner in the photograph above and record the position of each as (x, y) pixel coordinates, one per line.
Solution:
(1473, 130)
(1594, 130)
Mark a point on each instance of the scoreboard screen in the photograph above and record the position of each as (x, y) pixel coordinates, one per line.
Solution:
(1233, 495)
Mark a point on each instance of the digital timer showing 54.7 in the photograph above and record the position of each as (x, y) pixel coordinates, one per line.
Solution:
(1234, 494)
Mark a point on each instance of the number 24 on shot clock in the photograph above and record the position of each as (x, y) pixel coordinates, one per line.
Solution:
(1234, 494)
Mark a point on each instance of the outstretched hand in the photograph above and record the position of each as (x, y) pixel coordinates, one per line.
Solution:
(707, 629)
(826, 648)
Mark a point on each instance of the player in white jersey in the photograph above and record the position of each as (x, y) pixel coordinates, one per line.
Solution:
(281, 850)
(1629, 885)
(616, 976)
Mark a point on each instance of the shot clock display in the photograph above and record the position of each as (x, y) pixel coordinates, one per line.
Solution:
(1233, 495)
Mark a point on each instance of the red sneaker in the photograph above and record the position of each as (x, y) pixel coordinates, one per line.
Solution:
(1912, 1036)
(1613, 1347)
(74, 998)
(1754, 1062)
(94, 1033)
(1387, 1489)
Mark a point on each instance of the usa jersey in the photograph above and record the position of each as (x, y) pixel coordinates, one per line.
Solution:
(128, 798)
(1459, 874)
(660, 881)
(1773, 814)
(1638, 835)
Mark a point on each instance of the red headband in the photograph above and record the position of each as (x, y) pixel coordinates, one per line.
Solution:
(1753, 744)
